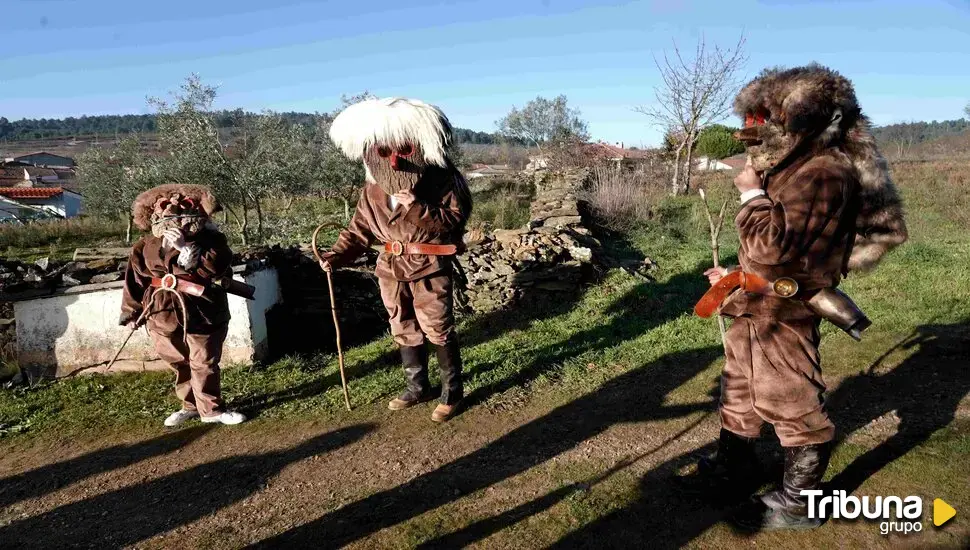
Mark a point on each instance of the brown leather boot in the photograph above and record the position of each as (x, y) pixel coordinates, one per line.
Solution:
(444, 413)
(787, 507)
(728, 477)
(415, 359)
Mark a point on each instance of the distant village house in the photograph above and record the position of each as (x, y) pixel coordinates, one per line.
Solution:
(38, 185)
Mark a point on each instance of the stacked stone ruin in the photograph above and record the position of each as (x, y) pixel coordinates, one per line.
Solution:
(553, 253)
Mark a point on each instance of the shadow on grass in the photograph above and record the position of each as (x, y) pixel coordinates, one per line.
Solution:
(925, 390)
(47, 479)
(637, 396)
(131, 514)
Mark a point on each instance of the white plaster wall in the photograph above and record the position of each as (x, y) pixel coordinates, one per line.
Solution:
(60, 334)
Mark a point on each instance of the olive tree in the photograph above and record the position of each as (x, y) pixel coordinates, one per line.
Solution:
(111, 178)
(543, 121)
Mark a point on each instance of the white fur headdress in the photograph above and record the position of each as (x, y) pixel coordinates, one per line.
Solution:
(392, 121)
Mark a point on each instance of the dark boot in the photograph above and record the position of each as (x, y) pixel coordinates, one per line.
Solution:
(730, 476)
(787, 508)
(452, 390)
(415, 359)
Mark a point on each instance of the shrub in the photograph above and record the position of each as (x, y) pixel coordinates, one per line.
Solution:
(622, 200)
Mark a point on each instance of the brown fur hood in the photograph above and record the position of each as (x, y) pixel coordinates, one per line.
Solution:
(141, 210)
(819, 102)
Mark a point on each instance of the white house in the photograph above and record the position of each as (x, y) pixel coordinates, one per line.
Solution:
(24, 202)
(705, 164)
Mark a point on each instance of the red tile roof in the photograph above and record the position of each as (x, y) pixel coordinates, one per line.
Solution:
(605, 150)
(30, 192)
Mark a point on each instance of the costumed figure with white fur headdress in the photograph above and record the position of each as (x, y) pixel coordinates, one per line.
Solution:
(816, 203)
(176, 283)
(415, 204)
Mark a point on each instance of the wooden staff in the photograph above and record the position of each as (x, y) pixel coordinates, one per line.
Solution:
(333, 309)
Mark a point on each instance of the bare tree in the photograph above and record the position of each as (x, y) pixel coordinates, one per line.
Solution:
(694, 94)
(903, 137)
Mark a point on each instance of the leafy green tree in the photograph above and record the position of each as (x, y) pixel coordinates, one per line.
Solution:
(268, 156)
(543, 121)
(111, 178)
(717, 142)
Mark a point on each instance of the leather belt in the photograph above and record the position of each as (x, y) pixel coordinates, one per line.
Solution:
(748, 282)
(171, 282)
(397, 248)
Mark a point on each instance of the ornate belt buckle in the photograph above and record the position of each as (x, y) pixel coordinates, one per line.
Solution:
(397, 248)
(169, 281)
(785, 287)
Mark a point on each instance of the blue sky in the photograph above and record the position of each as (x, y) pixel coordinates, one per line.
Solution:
(909, 59)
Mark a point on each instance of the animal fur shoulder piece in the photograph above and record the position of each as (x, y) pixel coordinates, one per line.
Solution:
(141, 210)
(881, 224)
(819, 104)
(803, 99)
(393, 122)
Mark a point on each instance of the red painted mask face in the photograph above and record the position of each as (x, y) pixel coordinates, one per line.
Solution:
(395, 168)
(765, 138)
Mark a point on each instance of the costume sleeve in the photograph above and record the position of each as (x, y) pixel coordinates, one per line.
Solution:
(773, 231)
(358, 236)
(451, 213)
(137, 279)
(214, 257)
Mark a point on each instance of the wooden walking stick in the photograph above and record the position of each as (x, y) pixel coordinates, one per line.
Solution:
(715, 226)
(333, 309)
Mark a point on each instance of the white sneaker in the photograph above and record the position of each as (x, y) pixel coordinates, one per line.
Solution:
(228, 418)
(179, 417)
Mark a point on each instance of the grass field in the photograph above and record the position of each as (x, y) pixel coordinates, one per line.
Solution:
(579, 413)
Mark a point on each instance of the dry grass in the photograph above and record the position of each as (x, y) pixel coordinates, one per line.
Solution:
(58, 237)
(622, 200)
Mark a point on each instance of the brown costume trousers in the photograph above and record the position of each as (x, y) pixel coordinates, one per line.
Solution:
(773, 375)
(420, 308)
(195, 361)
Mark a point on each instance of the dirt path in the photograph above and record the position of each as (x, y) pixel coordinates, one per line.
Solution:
(590, 470)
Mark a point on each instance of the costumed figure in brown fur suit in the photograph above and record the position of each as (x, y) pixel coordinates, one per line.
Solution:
(415, 204)
(816, 203)
(171, 285)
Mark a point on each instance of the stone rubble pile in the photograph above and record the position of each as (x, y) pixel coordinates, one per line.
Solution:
(17, 277)
(552, 254)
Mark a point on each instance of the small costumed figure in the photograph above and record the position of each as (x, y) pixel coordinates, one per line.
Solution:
(416, 203)
(176, 283)
(816, 203)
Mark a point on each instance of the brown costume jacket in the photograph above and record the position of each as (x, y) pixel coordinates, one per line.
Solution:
(802, 229)
(207, 313)
(437, 216)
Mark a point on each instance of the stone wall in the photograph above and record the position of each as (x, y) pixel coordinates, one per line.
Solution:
(552, 254)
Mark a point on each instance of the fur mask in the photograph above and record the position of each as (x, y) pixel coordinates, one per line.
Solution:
(174, 206)
(814, 108)
(395, 168)
(398, 139)
(786, 109)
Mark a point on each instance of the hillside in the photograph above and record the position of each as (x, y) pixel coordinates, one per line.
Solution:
(101, 128)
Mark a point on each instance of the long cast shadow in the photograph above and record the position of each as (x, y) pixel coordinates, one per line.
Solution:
(126, 516)
(925, 390)
(636, 396)
(47, 479)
